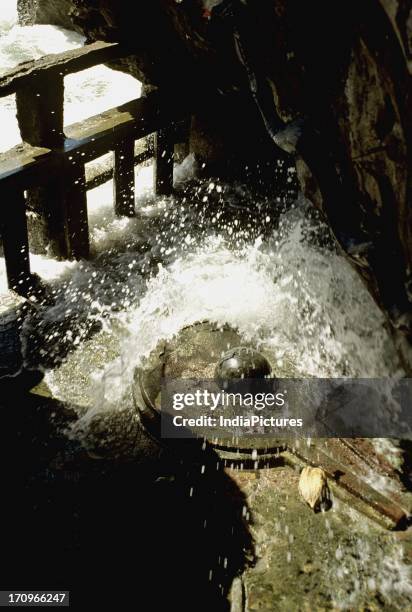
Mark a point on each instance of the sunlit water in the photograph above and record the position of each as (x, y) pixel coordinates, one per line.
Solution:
(149, 276)
(86, 93)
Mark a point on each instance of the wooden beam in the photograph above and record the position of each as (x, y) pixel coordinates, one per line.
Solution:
(26, 73)
(137, 119)
(74, 197)
(60, 225)
(47, 226)
(40, 116)
(40, 112)
(123, 184)
(27, 166)
(164, 158)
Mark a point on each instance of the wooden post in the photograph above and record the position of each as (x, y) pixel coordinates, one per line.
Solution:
(164, 157)
(15, 240)
(75, 203)
(40, 111)
(40, 116)
(123, 179)
(60, 225)
(47, 224)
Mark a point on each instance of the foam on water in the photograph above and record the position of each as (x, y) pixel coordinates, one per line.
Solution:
(302, 302)
(383, 570)
(86, 93)
(8, 15)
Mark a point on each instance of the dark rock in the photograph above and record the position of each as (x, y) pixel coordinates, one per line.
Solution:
(40, 12)
(15, 372)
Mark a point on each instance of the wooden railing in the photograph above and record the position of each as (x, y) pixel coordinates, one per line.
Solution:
(48, 169)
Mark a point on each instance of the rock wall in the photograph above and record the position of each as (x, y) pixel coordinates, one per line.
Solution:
(53, 12)
(341, 71)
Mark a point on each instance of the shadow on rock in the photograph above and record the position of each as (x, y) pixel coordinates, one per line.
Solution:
(152, 529)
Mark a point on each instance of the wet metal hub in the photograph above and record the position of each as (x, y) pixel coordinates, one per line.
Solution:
(204, 351)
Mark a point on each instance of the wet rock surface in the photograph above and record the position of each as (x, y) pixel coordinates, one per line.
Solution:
(41, 12)
(244, 539)
(324, 561)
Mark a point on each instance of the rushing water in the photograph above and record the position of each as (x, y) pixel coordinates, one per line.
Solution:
(86, 93)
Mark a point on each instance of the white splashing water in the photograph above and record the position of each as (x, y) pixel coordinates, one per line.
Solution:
(8, 15)
(300, 302)
(86, 93)
(381, 570)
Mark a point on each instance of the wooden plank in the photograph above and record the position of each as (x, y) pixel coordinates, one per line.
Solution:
(164, 158)
(123, 184)
(26, 73)
(100, 134)
(136, 119)
(13, 226)
(27, 166)
(24, 165)
(357, 491)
